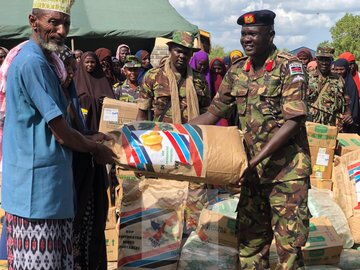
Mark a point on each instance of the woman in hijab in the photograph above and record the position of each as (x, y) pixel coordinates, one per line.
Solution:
(226, 60)
(200, 63)
(89, 179)
(217, 73)
(353, 67)
(122, 51)
(91, 86)
(235, 55)
(305, 57)
(104, 56)
(144, 58)
(341, 67)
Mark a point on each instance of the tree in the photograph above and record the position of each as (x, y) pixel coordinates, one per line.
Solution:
(217, 51)
(346, 35)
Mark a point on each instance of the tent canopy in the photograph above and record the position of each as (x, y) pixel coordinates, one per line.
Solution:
(97, 23)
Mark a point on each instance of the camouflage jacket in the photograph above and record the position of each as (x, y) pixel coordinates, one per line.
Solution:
(155, 93)
(326, 98)
(264, 101)
(127, 94)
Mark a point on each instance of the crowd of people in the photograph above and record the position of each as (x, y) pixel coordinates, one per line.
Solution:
(55, 177)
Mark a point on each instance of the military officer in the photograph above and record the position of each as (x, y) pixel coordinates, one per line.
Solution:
(268, 88)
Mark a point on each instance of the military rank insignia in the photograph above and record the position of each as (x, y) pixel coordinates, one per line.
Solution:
(249, 19)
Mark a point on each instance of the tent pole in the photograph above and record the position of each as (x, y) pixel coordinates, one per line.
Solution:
(72, 44)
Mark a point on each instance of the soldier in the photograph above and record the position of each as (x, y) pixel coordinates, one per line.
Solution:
(176, 93)
(129, 91)
(268, 88)
(327, 101)
(173, 91)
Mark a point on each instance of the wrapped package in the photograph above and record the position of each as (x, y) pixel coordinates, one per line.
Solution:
(350, 259)
(321, 204)
(203, 154)
(151, 224)
(197, 255)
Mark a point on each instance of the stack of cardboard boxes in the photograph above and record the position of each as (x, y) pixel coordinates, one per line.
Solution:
(114, 114)
(322, 142)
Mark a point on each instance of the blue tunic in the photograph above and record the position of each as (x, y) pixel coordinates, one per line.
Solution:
(37, 173)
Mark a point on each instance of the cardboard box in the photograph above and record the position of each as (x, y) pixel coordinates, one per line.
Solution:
(321, 183)
(111, 219)
(112, 245)
(345, 194)
(321, 162)
(324, 245)
(115, 113)
(321, 135)
(347, 143)
(216, 228)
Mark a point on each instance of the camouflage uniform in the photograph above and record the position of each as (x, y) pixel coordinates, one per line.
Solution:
(274, 200)
(326, 98)
(127, 94)
(155, 93)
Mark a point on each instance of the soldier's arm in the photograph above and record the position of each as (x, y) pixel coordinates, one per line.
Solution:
(220, 106)
(293, 108)
(146, 97)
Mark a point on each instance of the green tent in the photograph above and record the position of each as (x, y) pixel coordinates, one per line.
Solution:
(97, 23)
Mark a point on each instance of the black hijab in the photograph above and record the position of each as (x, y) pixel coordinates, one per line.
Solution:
(351, 89)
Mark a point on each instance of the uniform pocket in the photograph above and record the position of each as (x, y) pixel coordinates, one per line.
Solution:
(270, 97)
(240, 93)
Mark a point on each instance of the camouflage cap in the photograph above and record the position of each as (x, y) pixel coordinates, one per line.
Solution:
(131, 61)
(325, 52)
(185, 39)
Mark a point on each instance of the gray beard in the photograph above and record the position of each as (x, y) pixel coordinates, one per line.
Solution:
(51, 47)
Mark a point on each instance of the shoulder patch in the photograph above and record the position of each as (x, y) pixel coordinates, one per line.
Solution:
(296, 69)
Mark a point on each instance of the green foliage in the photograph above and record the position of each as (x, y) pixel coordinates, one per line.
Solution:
(218, 51)
(346, 35)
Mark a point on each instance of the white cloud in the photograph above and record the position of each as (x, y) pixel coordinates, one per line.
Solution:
(297, 23)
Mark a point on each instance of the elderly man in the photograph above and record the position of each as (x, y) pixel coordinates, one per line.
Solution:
(268, 88)
(38, 189)
(327, 101)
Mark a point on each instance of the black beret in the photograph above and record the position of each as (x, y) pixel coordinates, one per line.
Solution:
(257, 17)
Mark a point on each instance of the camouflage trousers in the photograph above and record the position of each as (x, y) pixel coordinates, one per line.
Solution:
(273, 210)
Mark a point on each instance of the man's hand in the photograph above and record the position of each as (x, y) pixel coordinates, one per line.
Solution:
(104, 155)
(99, 137)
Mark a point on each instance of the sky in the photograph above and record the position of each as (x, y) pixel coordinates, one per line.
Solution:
(297, 23)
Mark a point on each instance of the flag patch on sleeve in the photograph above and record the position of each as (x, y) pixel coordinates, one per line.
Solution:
(296, 69)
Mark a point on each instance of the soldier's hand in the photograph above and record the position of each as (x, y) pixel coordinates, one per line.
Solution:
(104, 155)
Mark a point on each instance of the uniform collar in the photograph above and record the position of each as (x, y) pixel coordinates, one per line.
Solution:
(269, 63)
